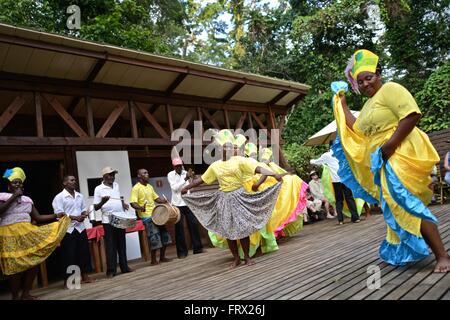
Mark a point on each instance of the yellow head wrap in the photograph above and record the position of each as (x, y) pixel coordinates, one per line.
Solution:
(15, 173)
(250, 148)
(239, 140)
(361, 60)
(224, 136)
(266, 153)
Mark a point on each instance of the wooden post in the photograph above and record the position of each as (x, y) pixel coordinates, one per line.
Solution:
(133, 124)
(227, 119)
(89, 117)
(96, 255)
(38, 106)
(169, 118)
(143, 242)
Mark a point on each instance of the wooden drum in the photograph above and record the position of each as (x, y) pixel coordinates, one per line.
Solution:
(165, 214)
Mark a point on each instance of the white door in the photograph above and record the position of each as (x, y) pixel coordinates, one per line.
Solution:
(90, 165)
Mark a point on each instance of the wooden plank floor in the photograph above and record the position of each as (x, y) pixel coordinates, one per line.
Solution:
(323, 261)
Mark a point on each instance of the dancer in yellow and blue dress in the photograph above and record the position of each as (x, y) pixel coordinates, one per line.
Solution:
(384, 157)
(23, 246)
(231, 212)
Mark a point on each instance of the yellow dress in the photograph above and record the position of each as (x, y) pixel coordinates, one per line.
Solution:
(286, 218)
(24, 245)
(261, 238)
(401, 183)
(232, 212)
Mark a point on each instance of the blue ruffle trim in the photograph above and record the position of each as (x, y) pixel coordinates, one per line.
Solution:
(411, 247)
(401, 195)
(346, 174)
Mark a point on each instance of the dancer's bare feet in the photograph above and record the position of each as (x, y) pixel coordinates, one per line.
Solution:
(442, 265)
(154, 263)
(86, 279)
(165, 259)
(27, 296)
(235, 264)
(249, 262)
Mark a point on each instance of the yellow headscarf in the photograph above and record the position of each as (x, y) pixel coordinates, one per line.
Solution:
(250, 148)
(239, 140)
(361, 60)
(15, 173)
(224, 136)
(266, 153)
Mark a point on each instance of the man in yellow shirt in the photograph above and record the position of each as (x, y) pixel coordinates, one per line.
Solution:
(143, 198)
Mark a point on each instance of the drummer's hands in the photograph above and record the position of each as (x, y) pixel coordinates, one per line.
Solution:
(125, 206)
(105, 199)
(184, 191)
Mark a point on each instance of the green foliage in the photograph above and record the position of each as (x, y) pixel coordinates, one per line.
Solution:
(299, 156)
(435, 95)
(304, 41)
(417, 37)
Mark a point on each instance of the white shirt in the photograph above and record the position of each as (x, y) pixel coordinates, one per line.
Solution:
(112, 205)
(333, 163)
(72, 206)
(177, 183)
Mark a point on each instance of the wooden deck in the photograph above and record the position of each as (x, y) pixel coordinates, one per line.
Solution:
(323, 261)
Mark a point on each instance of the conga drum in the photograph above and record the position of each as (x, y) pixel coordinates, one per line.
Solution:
(165, 214)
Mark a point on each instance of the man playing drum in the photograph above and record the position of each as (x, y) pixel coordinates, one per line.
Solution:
(107, 198)
(178, 179)
(143, 198)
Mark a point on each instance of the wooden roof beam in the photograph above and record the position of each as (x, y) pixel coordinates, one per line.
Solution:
(232, 92)
(173, 86)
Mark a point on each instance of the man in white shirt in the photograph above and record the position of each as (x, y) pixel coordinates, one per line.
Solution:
(340, 190)
(178, 179)
(75, 246)
(108, 199)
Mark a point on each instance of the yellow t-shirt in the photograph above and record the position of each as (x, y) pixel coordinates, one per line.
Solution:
(231, 174)
(385, 109)
(140, 194)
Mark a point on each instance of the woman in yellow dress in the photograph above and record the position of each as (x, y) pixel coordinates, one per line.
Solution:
(384, 157)
(231, 212)
(262, 239)
(287, 218)
(23, 246)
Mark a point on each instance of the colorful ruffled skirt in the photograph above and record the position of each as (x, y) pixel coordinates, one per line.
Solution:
(400, 184)
(24, 245)
(236, 214)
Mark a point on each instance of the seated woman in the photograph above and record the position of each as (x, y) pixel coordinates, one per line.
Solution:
(23, 246)
(317, 191)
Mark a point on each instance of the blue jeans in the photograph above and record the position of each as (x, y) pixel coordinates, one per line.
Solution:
(157, 235)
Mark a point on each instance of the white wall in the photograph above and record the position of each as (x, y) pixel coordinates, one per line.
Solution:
(90, 165)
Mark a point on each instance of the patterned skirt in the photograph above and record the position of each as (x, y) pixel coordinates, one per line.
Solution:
(236, 214)
(24, 245)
